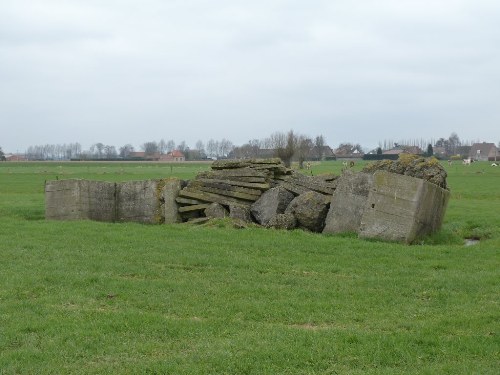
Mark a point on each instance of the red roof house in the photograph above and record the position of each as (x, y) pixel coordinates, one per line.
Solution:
(174, 155)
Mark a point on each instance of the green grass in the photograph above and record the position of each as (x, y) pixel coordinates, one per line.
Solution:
(99, 298)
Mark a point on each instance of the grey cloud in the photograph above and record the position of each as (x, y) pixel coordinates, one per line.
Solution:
(128, 72)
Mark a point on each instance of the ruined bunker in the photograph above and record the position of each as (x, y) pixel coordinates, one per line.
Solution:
(377, 203)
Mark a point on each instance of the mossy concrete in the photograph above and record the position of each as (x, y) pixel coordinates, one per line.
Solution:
(348, 203)
(402, 208)
(79, 200)
(150, 201)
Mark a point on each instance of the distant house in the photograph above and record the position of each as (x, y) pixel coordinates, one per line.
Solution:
(137, 155)
(15, 157)
(404, 150)
(327, 153)
(463, 151)
(439, 151)
(175, 155)
(345, 155)
(484, 151)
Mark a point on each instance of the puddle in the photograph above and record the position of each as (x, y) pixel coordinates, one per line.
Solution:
(471, 241)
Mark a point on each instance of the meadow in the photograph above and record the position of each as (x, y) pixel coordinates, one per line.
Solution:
(101, 298)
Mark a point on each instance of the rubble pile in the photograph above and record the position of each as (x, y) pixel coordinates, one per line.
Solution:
(238, 186)
(401, 200)
(231, 184)
(412, 165)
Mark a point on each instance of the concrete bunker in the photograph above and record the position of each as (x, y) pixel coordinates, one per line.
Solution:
(376, 203)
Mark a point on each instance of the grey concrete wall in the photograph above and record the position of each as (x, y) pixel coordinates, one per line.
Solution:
(97, 198)
(138, 201)
(151, 201)
(79, 200)
(171, 190)
(384, 205)
(402, 208)
(62, 200)
(348, 203)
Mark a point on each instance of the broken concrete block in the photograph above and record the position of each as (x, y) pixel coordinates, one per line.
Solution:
(402, 208)
(282, 221)
(171, 189)
(62, 200)
(310, 210)
(240, 213)
(216, 211)
(79, 200)
(139, 201)
(100, 201)
(272, 202)
(348, 203)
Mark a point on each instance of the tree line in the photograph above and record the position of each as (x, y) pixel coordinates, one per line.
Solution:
(285, 145)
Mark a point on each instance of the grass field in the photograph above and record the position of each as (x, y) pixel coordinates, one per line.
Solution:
(99, 298)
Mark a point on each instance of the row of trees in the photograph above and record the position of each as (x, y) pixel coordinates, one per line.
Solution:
(452, 145)
(280, 144)
(54, 152)
(286, 146)
(213, 149)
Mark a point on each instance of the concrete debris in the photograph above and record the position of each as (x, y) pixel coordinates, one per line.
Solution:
(428, 169)
(282, 221)
(402, 208)
(397, 201)
(148, 201)
(240, 213)
(216, 211)
(310, 210)
(348, 202)
(272, 202)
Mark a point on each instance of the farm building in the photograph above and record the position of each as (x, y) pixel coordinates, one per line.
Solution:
(484, 152)
(174, 155)
(404, 150)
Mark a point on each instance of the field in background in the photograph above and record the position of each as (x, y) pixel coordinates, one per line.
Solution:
(88, 297)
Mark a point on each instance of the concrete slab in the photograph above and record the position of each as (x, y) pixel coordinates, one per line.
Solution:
(402, 208)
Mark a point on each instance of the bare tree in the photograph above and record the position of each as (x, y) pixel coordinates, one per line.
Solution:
(97, 150)
(170, 145)
(150, 148)
(319, 146)
(182, 147)
(162, 146)
(349, 148)
(73, 150)
(212, 148)
(454, 142)
(225, 147)
(110, 152)
(267, 143)
(126, 150)
(304, 147)
(284, 146)
(200, 146)
(248, 150)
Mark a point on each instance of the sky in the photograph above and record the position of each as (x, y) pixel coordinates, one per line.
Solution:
(364, 71)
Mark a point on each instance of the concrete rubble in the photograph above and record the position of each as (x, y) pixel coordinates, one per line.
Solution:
(376, 203)
(402, 208)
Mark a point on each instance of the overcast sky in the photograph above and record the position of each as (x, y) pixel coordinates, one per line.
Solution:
(359, 71)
